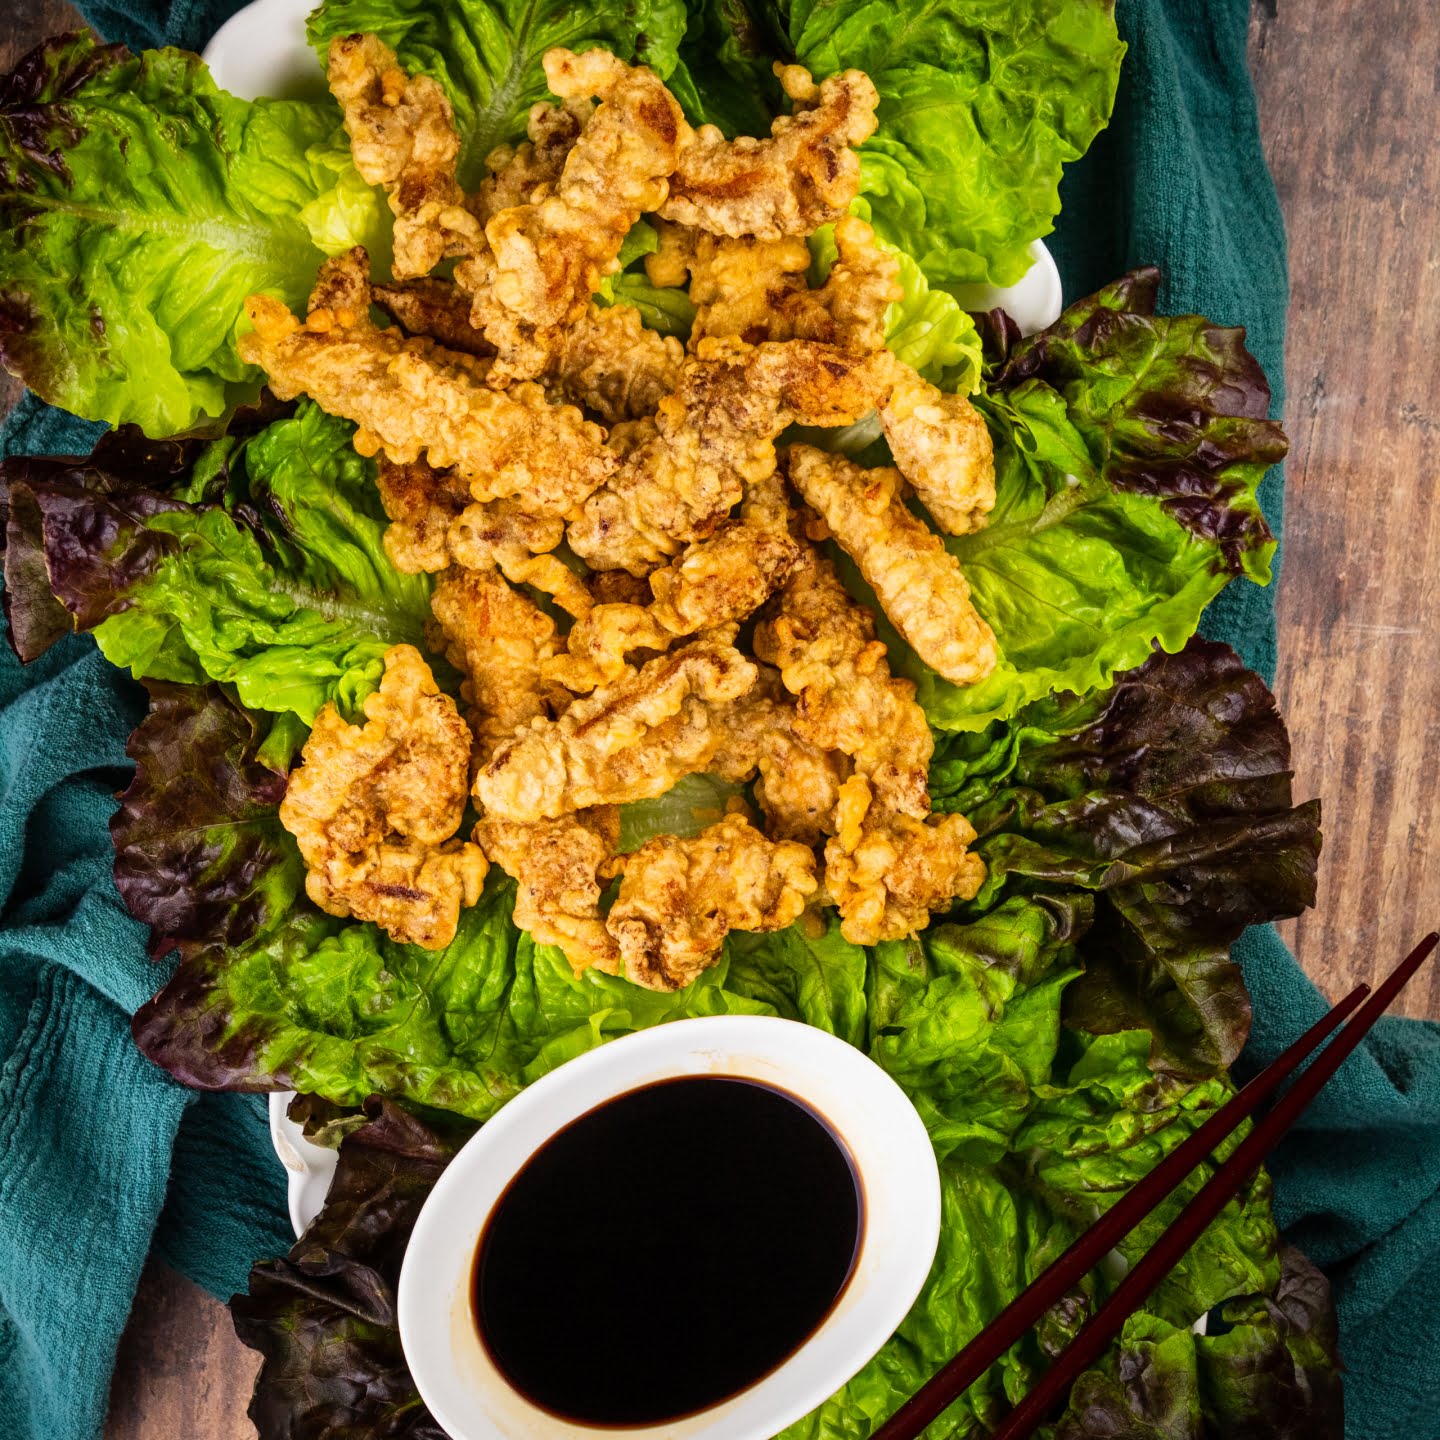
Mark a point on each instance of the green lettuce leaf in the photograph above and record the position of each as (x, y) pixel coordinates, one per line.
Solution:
(927, 327)
(663, 308)
(1171, 407)
(804, 973)
(967, 1019)
(123, 459)
(982, 102)
(338, 1009)
(930, 331)
(1128, 449)
(1271, 1373)
(1168, 799)
(139, 206)
(487, 53)
(725, 74)
(263, 566)
(688, 807)
(1098, 1129)
(200, 853)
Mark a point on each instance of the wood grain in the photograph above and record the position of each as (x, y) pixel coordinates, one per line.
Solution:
(1349, 112)
(1351, 121)
(181, 1374)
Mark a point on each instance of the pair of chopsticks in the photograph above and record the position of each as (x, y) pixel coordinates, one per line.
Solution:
(950, 1382)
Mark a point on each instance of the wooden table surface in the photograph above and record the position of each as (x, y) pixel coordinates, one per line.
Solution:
(1348, 107)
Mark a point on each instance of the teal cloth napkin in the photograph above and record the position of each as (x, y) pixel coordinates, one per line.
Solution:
(102, 1156)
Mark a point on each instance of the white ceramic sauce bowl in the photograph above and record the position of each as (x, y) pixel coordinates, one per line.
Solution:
(891, 1151)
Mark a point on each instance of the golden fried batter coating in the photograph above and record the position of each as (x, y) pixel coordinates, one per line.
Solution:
(503, 533)
(498, 640)
(746, 287)
(943, 449)
(606, 361)
(824, 646)
(422, 505)
(757, 289)
(521, 174)
(559, 866)
(804, 176)
(618, 587)
(611, 364)
(681, 897)
(713, 582)
(681, 474)
(862, 285)
(373, 809)
(918, 582)
(767, 505)
(546, 258)
(889, 863)
(798, 784)
(628, 741)
(434, 308)
(434, 524)
(888, 872)
(410, 397)
(402, 136)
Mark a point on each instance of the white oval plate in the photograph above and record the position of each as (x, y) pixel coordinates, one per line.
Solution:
(309, 1168)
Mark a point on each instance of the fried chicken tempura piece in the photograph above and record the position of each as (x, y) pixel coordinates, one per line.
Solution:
(804, 176)
(502, 533)
(628, 741)
(410, 397)
(435, 309)
(888, 873)
(797, 783)
(713, 582)
(434, 525)
(518, 172)
(798, 786)
(546, 258)
(422, 505)
(402, 136)
(606, 361)
(558, 867)
(373, 809)
(746, 287)
(680, 898)
(824, 646)
(683, 472)
(610, 363)
(943, 449)
(757, 289)
(498, 640)
(918, 582)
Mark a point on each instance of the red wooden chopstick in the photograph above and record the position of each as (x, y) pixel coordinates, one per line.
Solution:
(956, 1376)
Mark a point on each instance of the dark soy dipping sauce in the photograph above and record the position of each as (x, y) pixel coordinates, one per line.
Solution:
(667, 1250)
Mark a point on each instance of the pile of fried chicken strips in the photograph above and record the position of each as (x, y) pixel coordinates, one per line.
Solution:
(510, 413)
